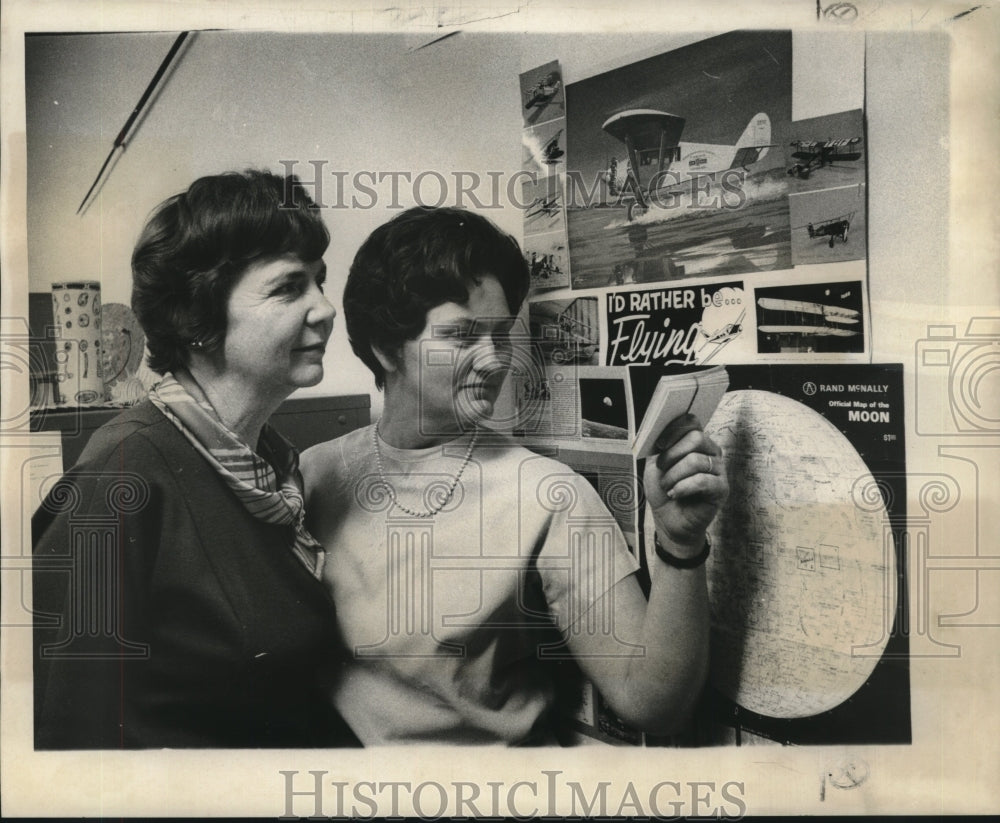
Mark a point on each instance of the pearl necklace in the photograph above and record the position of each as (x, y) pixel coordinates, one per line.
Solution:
(376, 435)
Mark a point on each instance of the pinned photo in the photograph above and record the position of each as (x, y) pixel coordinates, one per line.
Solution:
(829, 226)
(676, 166)
(542, 94)
(808, 319)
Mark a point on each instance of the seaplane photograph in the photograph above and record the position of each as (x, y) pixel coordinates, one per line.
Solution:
(822, 317)
(542, 94)
(676, 163)
(826, 152)
(828, 226)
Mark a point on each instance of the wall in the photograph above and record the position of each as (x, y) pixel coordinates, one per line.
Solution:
(355, 103)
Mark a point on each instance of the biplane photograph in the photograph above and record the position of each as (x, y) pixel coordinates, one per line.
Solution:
(542, 201)
(823, 317)
(547, 206)
(821, 154)
(826, 152)
(828, 226)
(835, 228)
(542, 94)
(689, 145)
(566, 331)
(543, 149)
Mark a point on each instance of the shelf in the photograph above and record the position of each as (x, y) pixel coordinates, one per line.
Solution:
(305, 421)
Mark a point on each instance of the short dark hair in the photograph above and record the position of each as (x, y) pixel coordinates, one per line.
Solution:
(197, 244)
(420, 259)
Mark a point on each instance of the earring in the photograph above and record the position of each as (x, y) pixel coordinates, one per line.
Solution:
(197, 344)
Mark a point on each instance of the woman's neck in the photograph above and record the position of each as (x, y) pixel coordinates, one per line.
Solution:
(404, 431)
(242, 411)
(404, 426)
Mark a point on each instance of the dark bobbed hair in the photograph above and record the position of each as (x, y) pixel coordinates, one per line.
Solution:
(197, 244)
(420, 259)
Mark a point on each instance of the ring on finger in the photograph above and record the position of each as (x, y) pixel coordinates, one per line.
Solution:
(711, 464)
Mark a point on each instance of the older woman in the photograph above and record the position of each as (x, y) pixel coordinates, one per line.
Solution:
(206, 623)
(467, 565)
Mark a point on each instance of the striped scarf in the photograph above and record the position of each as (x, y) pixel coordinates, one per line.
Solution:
(269, 484)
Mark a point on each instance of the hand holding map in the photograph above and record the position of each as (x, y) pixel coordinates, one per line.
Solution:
(696, 393)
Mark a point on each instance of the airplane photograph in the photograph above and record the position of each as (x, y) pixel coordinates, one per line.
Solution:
(542, 93)
(820, 154)
(542, 202)
(822, 317)
(828, 226)
(547, 206)
(651, 140)
(712, 341)
(542, 149)
(678, 163)
(836, 228)
(551, 151)
(566, 331)
(826, 152)
(724, 332)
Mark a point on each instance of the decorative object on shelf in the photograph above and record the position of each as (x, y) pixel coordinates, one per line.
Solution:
(121, 354)
(127, 392)
(76, 312)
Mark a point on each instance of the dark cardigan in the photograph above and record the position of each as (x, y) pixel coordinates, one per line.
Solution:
(165, 614)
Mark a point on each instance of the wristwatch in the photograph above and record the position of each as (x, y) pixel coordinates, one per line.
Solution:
(692, 562)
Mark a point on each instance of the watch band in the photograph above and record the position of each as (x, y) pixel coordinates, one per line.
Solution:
(682, 562)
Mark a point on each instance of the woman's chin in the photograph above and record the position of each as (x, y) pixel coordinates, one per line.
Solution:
(305, 377)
